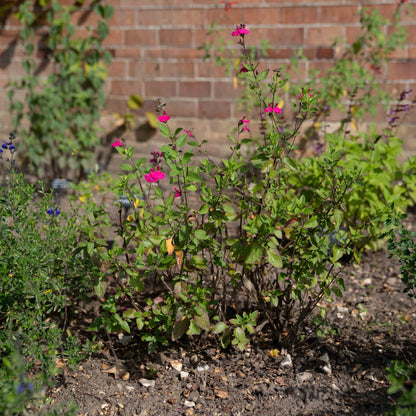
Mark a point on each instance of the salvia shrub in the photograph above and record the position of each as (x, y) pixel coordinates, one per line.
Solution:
(256, 241)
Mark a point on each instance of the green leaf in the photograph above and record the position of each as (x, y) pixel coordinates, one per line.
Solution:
(164, 129)
(135, 101)
(123, 324)
(193, 328)
(181, 140)
(254, 254)
(337, 291)
(274, 258)
(180, 328)
(126, 166)
(100, 289)
(263, 75)
(226, 338)
(201, 318)
(311, 223)
(219, 328)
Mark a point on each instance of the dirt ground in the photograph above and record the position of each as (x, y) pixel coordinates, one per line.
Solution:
(342, 373)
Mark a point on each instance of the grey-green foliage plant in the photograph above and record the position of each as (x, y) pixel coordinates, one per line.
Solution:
(57, 117)
(41, 282)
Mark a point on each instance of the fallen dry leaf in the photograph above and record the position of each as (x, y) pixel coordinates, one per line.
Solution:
(222, 394)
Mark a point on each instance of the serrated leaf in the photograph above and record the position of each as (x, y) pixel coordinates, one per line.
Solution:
(274, 258)
(135, 101)
(180, 328)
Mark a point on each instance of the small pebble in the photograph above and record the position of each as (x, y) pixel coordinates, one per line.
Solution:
(287, 362)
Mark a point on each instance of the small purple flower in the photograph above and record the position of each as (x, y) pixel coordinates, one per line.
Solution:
(4, 145)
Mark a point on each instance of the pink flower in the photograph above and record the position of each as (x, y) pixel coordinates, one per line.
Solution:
(242, 122)
(177, 193)
(154, 175)
(270, 109)
(164, 118)
(117, 143)
(240, 30)
(188, 132)
(301, 95)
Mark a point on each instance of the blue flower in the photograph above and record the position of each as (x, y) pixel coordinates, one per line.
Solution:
(4, 145)
(55, 212)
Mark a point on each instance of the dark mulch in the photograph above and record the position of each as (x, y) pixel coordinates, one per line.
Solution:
(342, 373)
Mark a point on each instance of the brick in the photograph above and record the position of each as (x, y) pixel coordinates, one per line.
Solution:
(210, 70)
(123, 18)
(214, 109)
(233, 17)
(116, 105)
(117, 69)
(125, 88)
(278, 36)
(226, 90)
(85, 18)
(299, 15)
(143, 69)
(323, 36)
(188, 17)
(261, 16)
(352, 33)
(8, 36)
(338, 14)
(155, 17)
(160, 88)
(175, 37)
(177, 69)
(114, 38)
(173, 53)
(401, 70)
(139, 37)
(195, 89)
(134, 53)
(182, 108)
(324, 53)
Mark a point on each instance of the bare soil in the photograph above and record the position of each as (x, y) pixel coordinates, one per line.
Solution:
(340, 373)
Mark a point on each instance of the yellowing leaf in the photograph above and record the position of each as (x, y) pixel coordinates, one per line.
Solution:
(354, 109)
(136, 203)
(179, 258)
(151, 119)
(170, 247)
(353, 124)
(82, 198)
(97, 187)
(235, 82)
(129, 218)
(135, 101)
(281, 103)
(317, 125)
(274, 353)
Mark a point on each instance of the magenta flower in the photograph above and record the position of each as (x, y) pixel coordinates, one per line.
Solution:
(164, 118)
(301, 95)
(177, 193)
(154, 175)
(242, 122)
(188, 132)
(243, 68)
(117, 143)
(240, 30)
(275, 109)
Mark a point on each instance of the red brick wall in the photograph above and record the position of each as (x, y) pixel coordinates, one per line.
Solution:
(155, 47)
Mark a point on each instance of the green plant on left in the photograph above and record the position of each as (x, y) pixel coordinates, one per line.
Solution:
(57, 118)
(41, 281)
